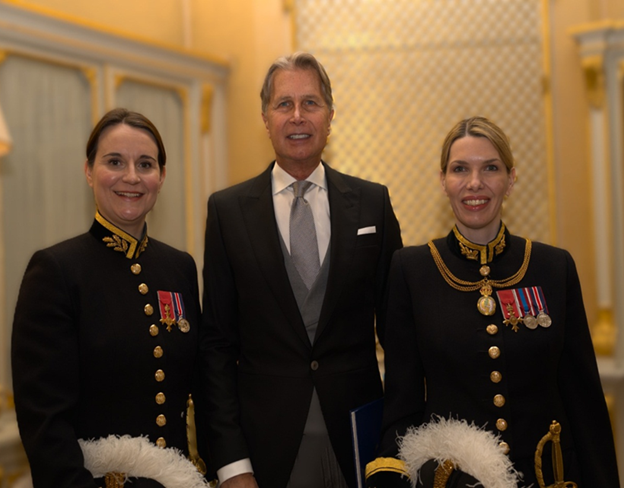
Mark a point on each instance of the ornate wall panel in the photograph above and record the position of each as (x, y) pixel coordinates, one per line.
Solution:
(404, 72)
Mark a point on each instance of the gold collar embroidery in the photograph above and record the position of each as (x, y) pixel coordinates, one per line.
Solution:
(484, 253)
(121, 241)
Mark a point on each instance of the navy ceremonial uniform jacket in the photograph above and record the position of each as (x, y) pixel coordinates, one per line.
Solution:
(90, 355)
(445, 358)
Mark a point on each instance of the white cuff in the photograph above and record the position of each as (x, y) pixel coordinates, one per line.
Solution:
(234, 469)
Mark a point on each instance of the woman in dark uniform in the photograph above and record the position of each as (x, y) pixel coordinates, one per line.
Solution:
(486, 344)
(105, 333)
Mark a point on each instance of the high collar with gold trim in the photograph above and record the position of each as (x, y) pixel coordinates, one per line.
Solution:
(484, 253)
(119, 241)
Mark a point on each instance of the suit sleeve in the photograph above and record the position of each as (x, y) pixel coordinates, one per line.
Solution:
(390, 243)
(404, 381)
(219, 348)
(45, 363)
(582, 393)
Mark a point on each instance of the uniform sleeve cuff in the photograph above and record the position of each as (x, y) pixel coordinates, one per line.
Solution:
(387, 473)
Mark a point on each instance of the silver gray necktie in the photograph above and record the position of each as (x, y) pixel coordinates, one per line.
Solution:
(303, 244)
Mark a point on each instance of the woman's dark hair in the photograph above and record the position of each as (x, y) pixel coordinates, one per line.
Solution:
(133, 119)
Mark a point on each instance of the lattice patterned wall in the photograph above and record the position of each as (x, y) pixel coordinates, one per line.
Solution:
(405, 71)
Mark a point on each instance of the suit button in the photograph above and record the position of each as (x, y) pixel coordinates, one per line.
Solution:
(135, 268)
(158, 352)
(499, 400)
(149, 310)
(160, 398)
(160, 442)
(154, 330)
(501, 424)
(314, 365)
(494, 352)
(143, 289)
(161, 420)
(496, 377)
(159, 375)
(504, 447)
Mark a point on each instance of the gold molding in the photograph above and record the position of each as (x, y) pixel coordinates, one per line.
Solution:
(549, 120)
(604, 333)
(606, 24)
(206, 108)
(3, 55)
(90, 74)
(593, 72)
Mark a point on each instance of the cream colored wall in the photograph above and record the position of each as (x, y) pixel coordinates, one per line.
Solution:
(250, 34)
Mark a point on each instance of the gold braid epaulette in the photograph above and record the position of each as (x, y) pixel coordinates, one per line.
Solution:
(392, 465)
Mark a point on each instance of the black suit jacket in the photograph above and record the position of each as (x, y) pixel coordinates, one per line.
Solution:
(84, 357)
(259, 366)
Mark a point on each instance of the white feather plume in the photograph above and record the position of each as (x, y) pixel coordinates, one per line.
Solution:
(473, 450)
(138, 457)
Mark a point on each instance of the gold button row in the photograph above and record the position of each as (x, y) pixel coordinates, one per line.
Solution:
(496, 377)
(160, 398)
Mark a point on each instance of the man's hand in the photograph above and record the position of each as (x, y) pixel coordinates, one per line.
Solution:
(245, 480)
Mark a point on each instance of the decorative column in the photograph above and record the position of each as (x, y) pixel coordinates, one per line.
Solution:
(606, 188)
(601, 47)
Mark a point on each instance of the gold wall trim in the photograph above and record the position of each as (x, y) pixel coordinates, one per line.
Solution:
(75, 20)
(188, 171)
(120, 78)
(90, 74)
(3, 55)
(549, 119)
(593, 72)
(606, 24)
(206, 108)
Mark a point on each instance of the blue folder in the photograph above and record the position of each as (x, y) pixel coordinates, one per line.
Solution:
(365, 433)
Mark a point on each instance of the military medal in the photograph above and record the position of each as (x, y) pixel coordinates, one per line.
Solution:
(486, 304)
(529, 308)
(165, 304)
(172, 310)
(183, 324)
(543, 319)
(510, 306)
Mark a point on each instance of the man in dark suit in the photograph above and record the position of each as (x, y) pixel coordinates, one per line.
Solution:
(288, 347)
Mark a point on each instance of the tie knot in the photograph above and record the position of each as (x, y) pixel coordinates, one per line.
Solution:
(300, 187)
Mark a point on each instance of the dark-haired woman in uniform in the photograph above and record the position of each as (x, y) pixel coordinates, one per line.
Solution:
(486, 344)
(105, 333)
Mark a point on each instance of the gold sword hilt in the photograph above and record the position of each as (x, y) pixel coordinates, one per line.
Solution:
(554, 436)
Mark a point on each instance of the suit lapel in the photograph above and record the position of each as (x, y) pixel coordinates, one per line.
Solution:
(259, 215)
(344, 204)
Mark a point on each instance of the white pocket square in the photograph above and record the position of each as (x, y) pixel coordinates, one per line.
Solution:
(367, 230)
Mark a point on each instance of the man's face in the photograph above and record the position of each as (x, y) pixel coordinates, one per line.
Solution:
(297, 118)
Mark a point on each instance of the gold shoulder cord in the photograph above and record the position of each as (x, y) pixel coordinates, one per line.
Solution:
(486, 304)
